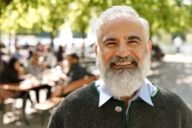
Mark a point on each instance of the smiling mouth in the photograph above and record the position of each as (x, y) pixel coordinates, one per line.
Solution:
(124, 65)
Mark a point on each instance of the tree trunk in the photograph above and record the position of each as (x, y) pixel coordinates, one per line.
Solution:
(83, 45)
(52, 41)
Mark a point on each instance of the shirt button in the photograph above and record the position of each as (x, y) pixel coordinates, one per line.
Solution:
(118, 109)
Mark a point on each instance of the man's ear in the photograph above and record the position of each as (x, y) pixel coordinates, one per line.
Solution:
(149, 46)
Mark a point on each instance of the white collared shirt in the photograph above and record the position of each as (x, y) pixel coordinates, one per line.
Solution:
(145, 92)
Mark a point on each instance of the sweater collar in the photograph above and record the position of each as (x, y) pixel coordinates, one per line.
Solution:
(145, 92)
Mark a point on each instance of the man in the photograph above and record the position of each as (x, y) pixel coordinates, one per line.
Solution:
(76, 71)
(78, 76)
(123, 97)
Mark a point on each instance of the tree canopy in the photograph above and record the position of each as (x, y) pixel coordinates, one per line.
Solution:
(24, 16)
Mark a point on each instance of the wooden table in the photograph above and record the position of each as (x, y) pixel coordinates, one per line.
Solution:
(23, 87)
(48, 77)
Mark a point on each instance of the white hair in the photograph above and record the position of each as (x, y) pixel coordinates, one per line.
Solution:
(115, 12)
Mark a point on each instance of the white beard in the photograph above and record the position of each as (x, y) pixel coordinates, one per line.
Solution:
(123, 82)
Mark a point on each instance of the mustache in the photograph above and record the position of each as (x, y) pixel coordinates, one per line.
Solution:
(123, 59)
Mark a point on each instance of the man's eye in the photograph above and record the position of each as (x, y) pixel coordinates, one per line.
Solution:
(110, 43)
(133, 42)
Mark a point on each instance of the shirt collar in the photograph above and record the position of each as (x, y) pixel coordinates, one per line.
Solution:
(145, 92)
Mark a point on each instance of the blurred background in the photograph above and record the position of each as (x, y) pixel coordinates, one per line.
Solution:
(29, 26)
(66, 23)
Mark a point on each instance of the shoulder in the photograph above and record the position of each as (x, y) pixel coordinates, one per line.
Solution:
(168, 95)
(83, 96)
(169, 100)
(78, 101)
(176, 107)
(78, 104)
(84, 93)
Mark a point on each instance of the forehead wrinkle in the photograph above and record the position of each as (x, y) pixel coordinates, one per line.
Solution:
(131, 19)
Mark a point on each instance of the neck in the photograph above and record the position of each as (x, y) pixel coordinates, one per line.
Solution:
(126, 99)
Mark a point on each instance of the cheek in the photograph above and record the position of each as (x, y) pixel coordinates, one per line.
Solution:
(107, 55)
(139, 53)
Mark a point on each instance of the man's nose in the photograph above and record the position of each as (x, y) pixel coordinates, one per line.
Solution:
(123, 51)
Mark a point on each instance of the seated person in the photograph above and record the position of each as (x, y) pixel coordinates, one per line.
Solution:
(35, 67)
(11, 74)
(78, 77)
(76, 71)
(157, 53)
(35, 64)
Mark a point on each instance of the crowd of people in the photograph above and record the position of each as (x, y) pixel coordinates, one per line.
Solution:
(40, 58)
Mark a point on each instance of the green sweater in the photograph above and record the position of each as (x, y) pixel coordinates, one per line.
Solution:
(80, 110)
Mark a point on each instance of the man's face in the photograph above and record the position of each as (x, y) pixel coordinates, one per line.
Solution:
(123, 55)
(123, 37)
(71, 60)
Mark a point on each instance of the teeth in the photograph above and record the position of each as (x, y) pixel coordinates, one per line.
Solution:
(123, 63)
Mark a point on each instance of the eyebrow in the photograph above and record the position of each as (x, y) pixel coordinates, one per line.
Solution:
(134, 37)
(109, 39)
